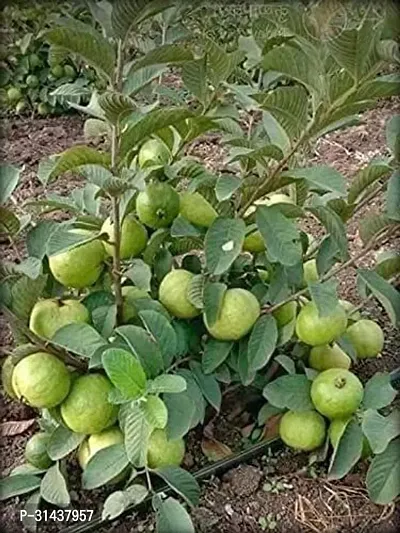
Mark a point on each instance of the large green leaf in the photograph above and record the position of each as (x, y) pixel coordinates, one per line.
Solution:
(171, 516)
(380, 430)
(62, 442)
(280, 234)
(83, 40)
(104, 465)
(194, 78)
(116, 105)
(372, 225)
(208, 385)
(25, 293)
(383, 476)
(125, 372)
(18, 484)
(393, 135)
(364, 178)
(151, 122)
(291, 392)
(182, 482)
(388, 264)
(223, 243)
(167, 383)
(167, 54)
(9, 176)
(137, 431)
(215, 353)
(378, 391)
(262, 342)
(9, 222)
(130, 13)
(288, 105)
(136, 80)
(144, 347)
(347, 452)
(324, 296)
(54, 488)
(213, 296)
(320, 177)
(116, 503)
(276, 133)
(380, 87)
(163, 333)
(393, 197)
(156, 411)
(334, 226)
(388, 296)
(181, 410)
(80, 339)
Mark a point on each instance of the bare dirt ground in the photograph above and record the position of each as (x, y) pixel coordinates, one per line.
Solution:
(278, 493)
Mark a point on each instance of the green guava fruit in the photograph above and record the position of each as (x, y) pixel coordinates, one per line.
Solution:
(69, 71)
(129, 295)
(34, 61)
(254, 242)
(336, 430)
(310, 272)
(326, 356)
(36, 451)
(133, 237)
(79, 267)
(14, 94)
(43, 109)
(336, 393)
(20, 107)
(7, 369)
(99, 441)
(264, 275)
(153, 152)
(173, 293)
(86, 408)
(315, 330)
(57, 71)
(32, 81)
(163, 452)
(285, 314)
(48, 316)
(196, 209)
(302, 430)
(367, 338)
(41, 379)
(239, 311)
(158, 205)
(349, 308)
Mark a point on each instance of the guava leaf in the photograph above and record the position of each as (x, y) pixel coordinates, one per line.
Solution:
(393, 197)
(118, 501)
(136, 431)
(18, 484)
(213, 295)
(292, 392)
(182, 482)
(223, 243)
(380, 430)
(167, 383)
(9, 176)
(378, 391)
(388, 296)
(262, 342)
(383, 476)
(208, 385)
(215, 353)
(54, 488)
(171, 516)
(324, 296)
(105, 465)
(80, 339)
(62, 442)
(181, 409)
(163, 333)
(144, 347)
(156, 412)
(347, 452)
(125, 372)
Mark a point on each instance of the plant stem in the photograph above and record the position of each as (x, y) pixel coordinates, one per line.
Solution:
(116, 271)
(380, 238)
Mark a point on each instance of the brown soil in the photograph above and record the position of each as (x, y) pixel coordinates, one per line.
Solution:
(278, 493)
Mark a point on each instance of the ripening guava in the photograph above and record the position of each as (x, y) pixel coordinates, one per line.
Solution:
(69, 71)
(310, 272)
(48, 316)
(158, 205)
(41, 379)
(57, 71)
(133, 237)
(326, 356)
(43, 109)
(32, 81)
(264, 275)
(336, 393)
(163, 452)
(34, 61)
(81, 266)
(153, 152)
(302, 430)
(196, 209)
(349, 307)
(173, 294)
(14, 94)
(285, 314)
(36, 451)
(336, 430)
(254, 242)
(129, 295)
(315, 330)
(367, 338)
(98, 441)
(20, 107)
(239, 311)
(86, 408)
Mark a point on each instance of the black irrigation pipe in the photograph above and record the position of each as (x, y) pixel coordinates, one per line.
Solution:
(204, 473)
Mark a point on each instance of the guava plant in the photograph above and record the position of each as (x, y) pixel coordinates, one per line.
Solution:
(169, 283)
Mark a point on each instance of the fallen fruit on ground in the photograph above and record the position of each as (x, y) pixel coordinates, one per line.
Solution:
(239, 311)
(96, 442)
(285, 314)
(326, 356)
(157, 205)
(36, 451)
(337, 393)
(313, 329)
(133, 237)
(86, 408)
(196, 209)
(173, 293)
(153, 152)
(41, 379)
(164, 452)
(302, 430)
(254, 242)
(367, 338)
(310, 272)
(336, 430)
(129, 295)
(81, 266)
(49, 315)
